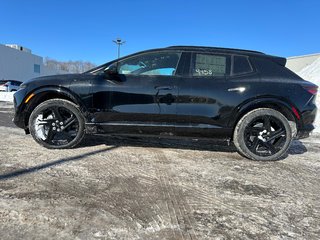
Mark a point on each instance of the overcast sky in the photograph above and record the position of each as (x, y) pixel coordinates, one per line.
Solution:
(84, 30)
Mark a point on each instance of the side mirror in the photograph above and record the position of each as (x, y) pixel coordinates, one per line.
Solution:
(111, 71)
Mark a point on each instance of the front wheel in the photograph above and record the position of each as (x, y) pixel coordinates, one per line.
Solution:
(263, 134)
(57, 124)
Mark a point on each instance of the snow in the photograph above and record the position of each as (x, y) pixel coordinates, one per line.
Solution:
(312, 73)
(6, 96)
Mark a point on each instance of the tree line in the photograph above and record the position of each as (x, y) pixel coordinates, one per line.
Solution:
(69, 66)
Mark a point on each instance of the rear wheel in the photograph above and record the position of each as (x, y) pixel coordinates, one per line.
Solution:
(263, 134)
(57, 124)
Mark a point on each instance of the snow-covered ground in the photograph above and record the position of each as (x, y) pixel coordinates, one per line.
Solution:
(6, 96)
(312, 73)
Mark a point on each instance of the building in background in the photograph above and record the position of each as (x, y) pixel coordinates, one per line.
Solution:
(306, 66)
(18, 63)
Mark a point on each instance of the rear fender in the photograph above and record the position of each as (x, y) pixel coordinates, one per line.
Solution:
(280, 105)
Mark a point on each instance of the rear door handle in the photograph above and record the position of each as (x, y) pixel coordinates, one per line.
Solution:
(238, 89)
(163, 87)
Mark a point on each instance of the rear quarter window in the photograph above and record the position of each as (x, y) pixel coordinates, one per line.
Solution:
(241, 65)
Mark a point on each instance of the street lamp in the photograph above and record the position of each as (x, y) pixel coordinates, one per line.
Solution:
(119, 42)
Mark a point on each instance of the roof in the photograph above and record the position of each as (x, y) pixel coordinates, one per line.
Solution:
(226, 50)
(279, 60)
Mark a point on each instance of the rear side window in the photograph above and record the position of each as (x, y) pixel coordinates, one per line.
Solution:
(241, 65)
(210, 65)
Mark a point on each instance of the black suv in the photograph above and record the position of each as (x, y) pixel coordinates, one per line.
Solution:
(245, 96)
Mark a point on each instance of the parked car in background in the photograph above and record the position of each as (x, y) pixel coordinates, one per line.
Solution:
(9, 85)
(245, 97)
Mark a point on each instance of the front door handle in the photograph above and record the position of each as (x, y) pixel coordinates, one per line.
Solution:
(163, 87)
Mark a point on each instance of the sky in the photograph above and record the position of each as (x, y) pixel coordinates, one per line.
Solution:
(83, 30)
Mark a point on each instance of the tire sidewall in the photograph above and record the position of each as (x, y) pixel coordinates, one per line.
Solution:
(247, 119)
(61, 103)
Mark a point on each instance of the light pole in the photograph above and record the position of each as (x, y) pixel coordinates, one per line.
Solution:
(119, 42)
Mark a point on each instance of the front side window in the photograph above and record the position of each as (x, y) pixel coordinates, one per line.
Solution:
(210, 65)
(156, 63)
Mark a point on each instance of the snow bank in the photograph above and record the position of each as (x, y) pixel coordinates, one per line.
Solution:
(312, 73)
(6, 96)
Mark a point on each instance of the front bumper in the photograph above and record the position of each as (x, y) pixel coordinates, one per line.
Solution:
(20, 108)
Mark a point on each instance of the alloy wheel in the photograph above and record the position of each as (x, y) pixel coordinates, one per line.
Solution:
(265, 135)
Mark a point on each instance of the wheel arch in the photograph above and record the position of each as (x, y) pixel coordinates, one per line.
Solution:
(277, 104)
(47, 93)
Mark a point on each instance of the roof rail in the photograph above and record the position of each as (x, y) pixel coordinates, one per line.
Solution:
(217, 48)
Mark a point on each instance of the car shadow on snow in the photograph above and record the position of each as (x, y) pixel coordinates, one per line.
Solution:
(214, 145)
(114, 142)
(61, 161)
(297, 148)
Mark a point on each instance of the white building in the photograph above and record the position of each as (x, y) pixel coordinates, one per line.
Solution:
(307, 66)
(18, 63)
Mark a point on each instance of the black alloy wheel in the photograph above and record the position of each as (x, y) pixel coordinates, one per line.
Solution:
(57, 124)
(263, 134)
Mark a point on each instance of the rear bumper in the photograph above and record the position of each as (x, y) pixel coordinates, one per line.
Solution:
(306, 125)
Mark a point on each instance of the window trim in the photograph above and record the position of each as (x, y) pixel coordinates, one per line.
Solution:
(244, 73)
(147, 53)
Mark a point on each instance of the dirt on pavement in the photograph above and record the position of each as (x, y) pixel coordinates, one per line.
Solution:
(136, 188)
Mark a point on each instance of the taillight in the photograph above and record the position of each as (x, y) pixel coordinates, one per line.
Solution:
(311, 89)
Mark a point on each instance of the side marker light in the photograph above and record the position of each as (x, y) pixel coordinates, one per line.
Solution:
(28, 98)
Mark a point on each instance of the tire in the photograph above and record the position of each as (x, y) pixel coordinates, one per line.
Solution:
(57, 124)
(263, 134)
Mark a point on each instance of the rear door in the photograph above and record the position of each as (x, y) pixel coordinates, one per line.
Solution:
(202, 100)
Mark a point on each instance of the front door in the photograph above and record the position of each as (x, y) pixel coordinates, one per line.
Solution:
(141, 98)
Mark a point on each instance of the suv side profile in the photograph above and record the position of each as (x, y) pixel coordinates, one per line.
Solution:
(247, 97)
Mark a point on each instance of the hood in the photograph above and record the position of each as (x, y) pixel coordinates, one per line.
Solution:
(54, 79)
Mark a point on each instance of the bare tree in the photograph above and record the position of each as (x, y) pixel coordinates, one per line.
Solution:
(69, 66)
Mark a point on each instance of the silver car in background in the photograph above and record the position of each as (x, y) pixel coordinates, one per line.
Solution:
(9, 85)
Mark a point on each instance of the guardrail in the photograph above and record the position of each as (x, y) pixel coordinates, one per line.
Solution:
(6, 96)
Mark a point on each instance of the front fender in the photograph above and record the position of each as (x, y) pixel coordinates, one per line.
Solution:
(24, 109)
(44, 92)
